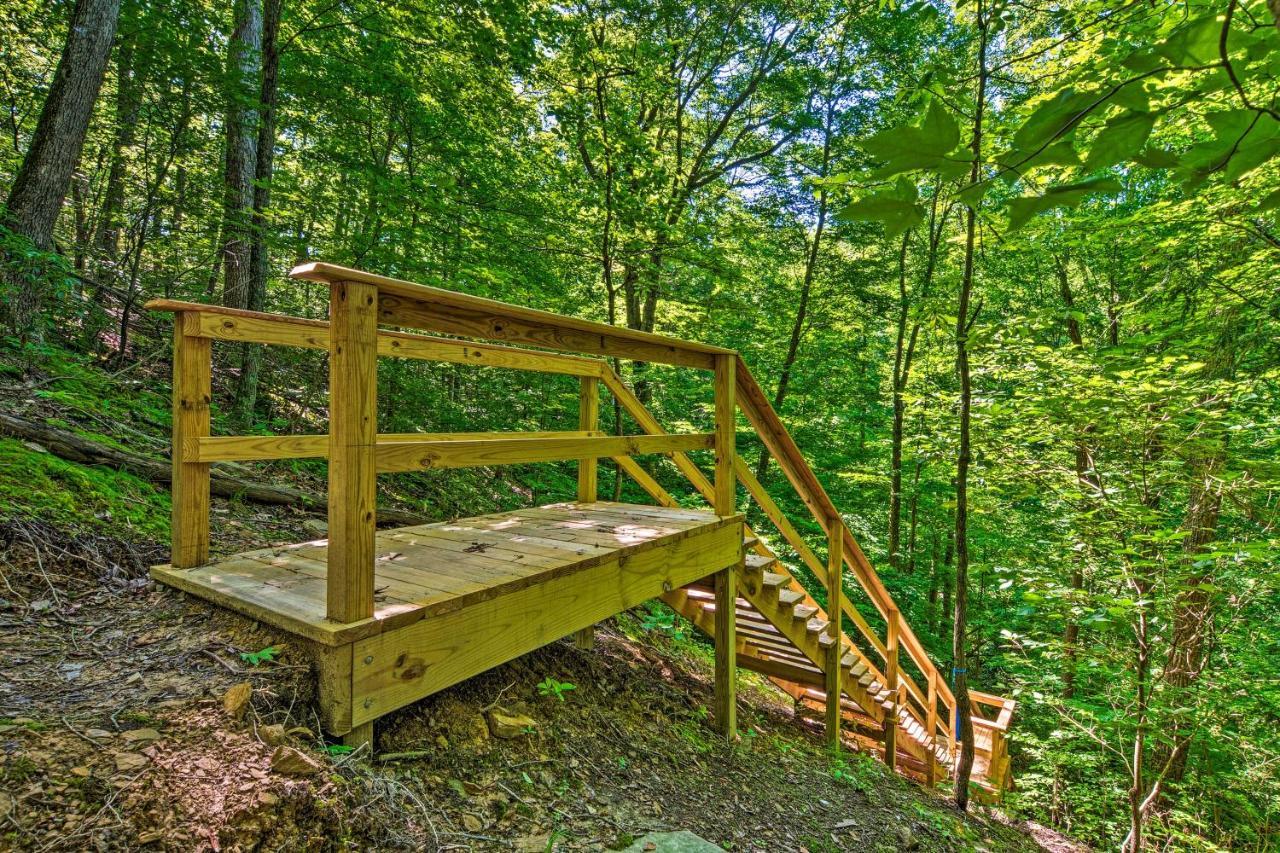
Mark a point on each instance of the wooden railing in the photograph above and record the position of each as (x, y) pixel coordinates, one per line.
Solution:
(360, 302)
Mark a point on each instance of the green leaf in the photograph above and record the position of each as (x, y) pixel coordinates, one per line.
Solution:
(1132, 96)
(1270, 202)
(925, 145)
(1068, 195)
(1120, 139)
(1052, 118)
(897, 208)
(1193, 43)
(1156, 158)
(940, 128)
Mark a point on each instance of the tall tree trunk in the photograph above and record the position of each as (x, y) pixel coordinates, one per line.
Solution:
(244, 52)
(43, 180)
(106, 240)
(964, 324)
(1193, 606)
(246, 394)
(806, 286)
(1087, 479)
(903, 356)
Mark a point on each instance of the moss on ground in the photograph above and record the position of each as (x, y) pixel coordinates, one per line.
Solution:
(37, 484)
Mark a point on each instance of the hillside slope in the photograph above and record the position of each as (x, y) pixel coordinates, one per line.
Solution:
(116, 731)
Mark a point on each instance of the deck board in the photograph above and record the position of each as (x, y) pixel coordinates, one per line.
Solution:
(432, 569)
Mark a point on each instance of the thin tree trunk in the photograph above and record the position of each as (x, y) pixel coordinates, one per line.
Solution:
(243, 64)
(806, 287)
(903, 356)
(964, 324)
(1090, 487)
(246, 393)
(45, 176)
(111, 216)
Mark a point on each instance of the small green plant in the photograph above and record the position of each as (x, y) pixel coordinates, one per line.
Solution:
(858, 773)
(339, 749)
(260, 657)
(552, 687)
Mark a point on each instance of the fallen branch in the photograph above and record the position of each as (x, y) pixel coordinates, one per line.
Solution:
(76, 448)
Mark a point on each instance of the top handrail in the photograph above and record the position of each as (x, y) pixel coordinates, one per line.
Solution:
(403, 303)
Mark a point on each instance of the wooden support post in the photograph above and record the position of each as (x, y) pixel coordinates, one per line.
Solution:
(361, 735)
(931, 725)
(725, 435)
(353, 429)
(835, 607)
(952, 723)
(588, 419)
(891, 678)
(588, 472)
(192, 366)
(726, 582)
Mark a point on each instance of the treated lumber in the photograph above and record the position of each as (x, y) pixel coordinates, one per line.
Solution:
(400, 666)
(423, 455)
(403, 303)
(891, 721)
(192, 394)
(246, 448)
(222, 482)
(931, 727)
(793, 537)
(759, 412)
(353, 430)
(833, 669)
(233, 324)
(588, 421)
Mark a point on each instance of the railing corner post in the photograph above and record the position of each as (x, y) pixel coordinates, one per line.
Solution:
(192, 393)
(726, 581)
(353, 433)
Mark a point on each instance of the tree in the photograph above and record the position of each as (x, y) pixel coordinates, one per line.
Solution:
(244, 65)
(35, 200)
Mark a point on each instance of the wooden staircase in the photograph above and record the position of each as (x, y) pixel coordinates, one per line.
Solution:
(784, 633)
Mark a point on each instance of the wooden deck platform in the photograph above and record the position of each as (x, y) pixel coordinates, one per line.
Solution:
(453, 599)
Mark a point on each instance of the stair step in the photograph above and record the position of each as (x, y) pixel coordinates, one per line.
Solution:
(757, 562)
(773, 580)
(789, 597)
(858, 670)
(805, 613)
(750, 541)
(825, 641)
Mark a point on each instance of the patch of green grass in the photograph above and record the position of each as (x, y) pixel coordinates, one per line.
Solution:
(34, 484)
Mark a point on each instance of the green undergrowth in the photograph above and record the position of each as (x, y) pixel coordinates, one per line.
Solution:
(36, 484)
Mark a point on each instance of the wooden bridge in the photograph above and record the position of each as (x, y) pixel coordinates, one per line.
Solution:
(396, 615)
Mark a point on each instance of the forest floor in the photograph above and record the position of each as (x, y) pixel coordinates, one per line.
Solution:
(115, 731)
(114, 735)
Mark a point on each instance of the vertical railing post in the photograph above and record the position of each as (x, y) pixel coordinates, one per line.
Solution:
(835, 612)
(192, 368)
(893, 617)
(588, 471)
(931, 725)
(589, 420)
(953, 722)
(353, 432)
(726, 581)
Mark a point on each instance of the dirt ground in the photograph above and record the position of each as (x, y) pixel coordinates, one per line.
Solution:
(115, 734)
